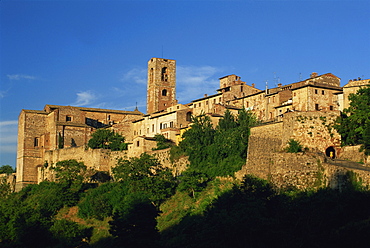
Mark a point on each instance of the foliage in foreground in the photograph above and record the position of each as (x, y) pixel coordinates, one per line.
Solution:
(221, 213)
(219, 151)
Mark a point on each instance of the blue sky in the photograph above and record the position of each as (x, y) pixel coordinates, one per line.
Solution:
(95, 53)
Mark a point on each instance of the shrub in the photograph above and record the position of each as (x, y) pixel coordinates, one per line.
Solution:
(294, 146)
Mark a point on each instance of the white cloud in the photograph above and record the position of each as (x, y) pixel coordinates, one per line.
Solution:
(20, 76)
(2, 94)
(136, 75)
(193, 82)
(85, 98)
(7, 123)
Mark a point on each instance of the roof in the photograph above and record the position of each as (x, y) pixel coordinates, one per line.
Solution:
(135, 112)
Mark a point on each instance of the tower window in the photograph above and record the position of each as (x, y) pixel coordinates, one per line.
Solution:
(164, 74)
(151, 75)
(164, 92)
(68, 118)
(36, 142)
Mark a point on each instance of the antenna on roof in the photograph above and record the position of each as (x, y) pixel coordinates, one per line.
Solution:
(275, 79)
(300, 76)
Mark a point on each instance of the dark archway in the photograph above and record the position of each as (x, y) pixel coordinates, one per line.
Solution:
(330, 150)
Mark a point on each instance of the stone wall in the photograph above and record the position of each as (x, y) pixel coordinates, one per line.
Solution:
(101, 160)
(312, 129)
(267, 158)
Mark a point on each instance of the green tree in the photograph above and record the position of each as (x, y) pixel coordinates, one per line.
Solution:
(219, 151)
(145, 174)
(162, 142)
(354, 123)
(69, 234)
(6, 169)
(107, 139)
(134, 225)
(192, 181)
(70, 171)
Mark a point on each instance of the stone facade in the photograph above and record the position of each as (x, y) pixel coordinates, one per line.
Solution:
(61, 127)
(302, 110)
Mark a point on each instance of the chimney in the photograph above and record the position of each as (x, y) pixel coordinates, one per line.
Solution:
(205, 95)
(253, 85)
(314, 74)
(279, 85)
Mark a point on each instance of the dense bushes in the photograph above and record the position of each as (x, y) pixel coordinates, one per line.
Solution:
(219, 151)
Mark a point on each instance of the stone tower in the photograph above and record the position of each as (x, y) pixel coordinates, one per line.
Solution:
(161, 84)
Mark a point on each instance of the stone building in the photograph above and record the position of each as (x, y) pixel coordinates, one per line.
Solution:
(58, 127)
(44, 136)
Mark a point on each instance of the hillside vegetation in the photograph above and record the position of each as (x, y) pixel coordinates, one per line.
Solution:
(144, 205)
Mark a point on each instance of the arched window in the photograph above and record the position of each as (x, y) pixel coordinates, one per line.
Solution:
(164, 92)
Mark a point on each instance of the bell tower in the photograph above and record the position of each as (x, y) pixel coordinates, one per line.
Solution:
(161, 84)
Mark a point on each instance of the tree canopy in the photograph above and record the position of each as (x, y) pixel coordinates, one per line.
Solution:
(107, 139)
(6, 169)
(219, 151)
(354, 123)
(145, 174)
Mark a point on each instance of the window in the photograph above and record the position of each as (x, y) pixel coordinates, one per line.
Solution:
(316, 106)
(151, 75)
(315, 91)
(152, 127)
(323, 92)
(214, 101)
(68, 118)
(188, 116)
(164, 74)
(200, 104)
(137, 143)
(160, 126)
(171, 124)
(36, 142)
(164, 92)
(331, 107)
(108, 117)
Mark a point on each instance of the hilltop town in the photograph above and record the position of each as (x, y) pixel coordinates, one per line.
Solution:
(303, 111)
